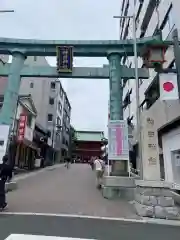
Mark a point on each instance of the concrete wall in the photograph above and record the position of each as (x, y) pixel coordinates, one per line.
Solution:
(41, 92)
(39, 89)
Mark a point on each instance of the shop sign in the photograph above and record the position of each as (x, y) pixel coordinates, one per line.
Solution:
(21, 127)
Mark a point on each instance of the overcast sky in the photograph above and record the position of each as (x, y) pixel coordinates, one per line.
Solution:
(73, 20)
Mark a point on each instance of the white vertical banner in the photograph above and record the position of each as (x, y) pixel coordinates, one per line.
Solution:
(168, 86)
(4, 134)
(118, 145)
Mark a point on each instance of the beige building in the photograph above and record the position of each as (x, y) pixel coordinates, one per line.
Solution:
(152, 16)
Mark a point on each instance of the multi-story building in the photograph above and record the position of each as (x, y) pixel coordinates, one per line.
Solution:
(152, 16)
(52, 105)
(66, 125)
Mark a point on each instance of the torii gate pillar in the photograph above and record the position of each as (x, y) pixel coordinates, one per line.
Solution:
(119, 168)
(11, 94)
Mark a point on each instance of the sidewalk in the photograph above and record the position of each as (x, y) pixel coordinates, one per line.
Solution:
(22, 176)
(13, 185)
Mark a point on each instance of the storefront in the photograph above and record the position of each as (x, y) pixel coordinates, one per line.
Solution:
(40, 138)
(22, 149)
(25, 155)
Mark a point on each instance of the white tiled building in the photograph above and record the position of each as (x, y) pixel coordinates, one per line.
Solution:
(52, 104)
(152, 15)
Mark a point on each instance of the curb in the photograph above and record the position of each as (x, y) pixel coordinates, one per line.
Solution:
(162, 222)
(174, 223)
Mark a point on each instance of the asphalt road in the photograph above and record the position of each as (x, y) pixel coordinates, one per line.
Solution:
(72, 192)
(63, 191)
(84, 228)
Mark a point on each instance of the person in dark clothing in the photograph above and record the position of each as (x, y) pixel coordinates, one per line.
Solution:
(67, 161)
(5, 175)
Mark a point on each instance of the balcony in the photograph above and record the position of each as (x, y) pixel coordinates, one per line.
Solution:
(148, 14)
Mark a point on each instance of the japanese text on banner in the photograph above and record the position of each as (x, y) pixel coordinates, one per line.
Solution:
(64, 59)
(118, 146)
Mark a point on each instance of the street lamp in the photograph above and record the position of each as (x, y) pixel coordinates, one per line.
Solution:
(138, 112)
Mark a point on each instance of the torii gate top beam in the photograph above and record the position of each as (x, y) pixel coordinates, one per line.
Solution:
(90, 48)
(78, 72)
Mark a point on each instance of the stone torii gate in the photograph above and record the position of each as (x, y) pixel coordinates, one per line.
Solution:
(113, 50)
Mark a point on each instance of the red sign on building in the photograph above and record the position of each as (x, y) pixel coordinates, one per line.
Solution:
(21, 127)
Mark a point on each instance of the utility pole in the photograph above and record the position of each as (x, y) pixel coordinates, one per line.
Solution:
(177, 56)
(138, 112)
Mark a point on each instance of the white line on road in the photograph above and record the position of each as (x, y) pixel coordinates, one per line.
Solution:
(40, 237)
(142, 220)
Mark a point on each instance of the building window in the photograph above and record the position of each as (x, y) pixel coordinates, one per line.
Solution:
(51, 101)
(49, 133)
(50, 117)
(53, 85)
(68, 119)
(29, 120)
(61, 92)
(60, 107)
(31, 85)
(67, 130)
(58, 121)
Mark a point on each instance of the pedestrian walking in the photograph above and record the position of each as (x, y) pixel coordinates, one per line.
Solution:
(68, 161)
(5, 175)
(91, 162)
(99, 168)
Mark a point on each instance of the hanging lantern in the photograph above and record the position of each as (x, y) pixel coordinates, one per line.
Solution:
(154, 56)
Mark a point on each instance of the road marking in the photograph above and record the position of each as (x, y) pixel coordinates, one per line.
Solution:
(131, 220)
(40, 237)
(74, 216)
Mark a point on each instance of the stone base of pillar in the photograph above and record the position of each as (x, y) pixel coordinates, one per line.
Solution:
(120, 168)
(118, 187)
(154, 199)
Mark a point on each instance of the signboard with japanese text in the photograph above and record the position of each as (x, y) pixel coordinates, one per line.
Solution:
(118, 145)
(149, 147)
(64, 59)
(21, 127)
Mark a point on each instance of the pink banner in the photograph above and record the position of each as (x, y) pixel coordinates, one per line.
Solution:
(119, 140)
